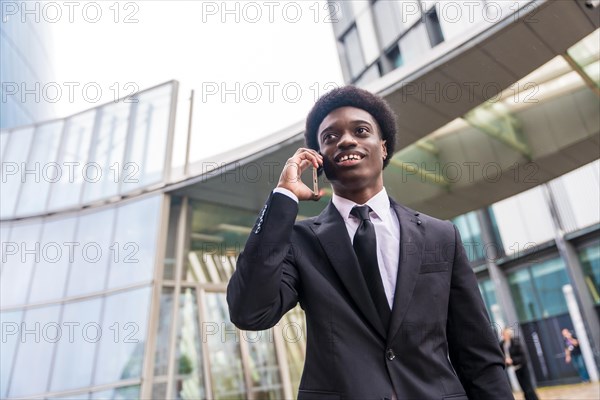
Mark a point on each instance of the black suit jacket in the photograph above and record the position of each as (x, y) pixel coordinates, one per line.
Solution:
(438, 345)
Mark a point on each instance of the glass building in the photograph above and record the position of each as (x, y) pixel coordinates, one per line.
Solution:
(26, 73)
(117, 248)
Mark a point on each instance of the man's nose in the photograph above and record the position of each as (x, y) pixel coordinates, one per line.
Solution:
(347, 140)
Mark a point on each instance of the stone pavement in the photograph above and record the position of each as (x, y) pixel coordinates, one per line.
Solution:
(580, 391)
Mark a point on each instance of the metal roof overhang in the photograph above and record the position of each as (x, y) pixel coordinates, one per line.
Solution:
(487, 62)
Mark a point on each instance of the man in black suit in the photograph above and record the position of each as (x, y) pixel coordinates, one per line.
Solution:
(392, 306)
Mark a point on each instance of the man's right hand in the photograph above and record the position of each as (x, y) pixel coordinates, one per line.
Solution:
(294, 167)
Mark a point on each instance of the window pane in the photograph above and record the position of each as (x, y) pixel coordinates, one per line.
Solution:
(165, 318)
(43, 167)
(414, 44)
(108, 151)
(92, 255)
(524, 220)
(11, 327)
(488, 292)
(21, 253)
(50, 273)
(224, 350)
(190, 382)
(549, 277)
(75, 353)
(263, 368)
(356, 62)
(388, 21)
(76, 171)
(523, 295)
(39, 334)
(134, 246)
(590, 263)
(124, 328)
(144, 162)
(15, 154)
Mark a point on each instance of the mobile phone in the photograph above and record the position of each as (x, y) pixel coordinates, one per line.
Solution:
(315, 182)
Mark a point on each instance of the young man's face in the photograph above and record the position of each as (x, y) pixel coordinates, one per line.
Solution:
(353, 151)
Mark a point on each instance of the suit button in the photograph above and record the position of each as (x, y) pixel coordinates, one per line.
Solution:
(389, 354)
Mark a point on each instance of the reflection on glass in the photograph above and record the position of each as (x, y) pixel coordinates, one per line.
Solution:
(11, 326)
(523, 295)
(263, 368)
(294, 336)
(21, 253)
(32, 364)
(470, 232)
(224, 350)
(88, 270)
(41, 169)
(108, 150)
(189, 379)
(14, 156)
(549, 277)
(50, 273)
(165, 318)
(73, 161)
(134, 246)
(488, 292)
(124, 328)
(75, 353)
(146, 154)
(590, 263)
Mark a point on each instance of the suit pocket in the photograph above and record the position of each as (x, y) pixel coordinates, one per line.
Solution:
(455, 397)
(317, 395)
(433, 267)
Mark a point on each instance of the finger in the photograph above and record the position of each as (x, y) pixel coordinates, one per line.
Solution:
(310, 154)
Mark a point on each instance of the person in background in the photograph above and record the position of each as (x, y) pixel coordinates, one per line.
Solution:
(514, 355)
(573, 353)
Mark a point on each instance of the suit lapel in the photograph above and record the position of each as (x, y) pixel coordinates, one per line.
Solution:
(411, 249)
(331, 232)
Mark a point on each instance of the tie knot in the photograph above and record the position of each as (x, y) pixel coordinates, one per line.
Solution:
(361, 212)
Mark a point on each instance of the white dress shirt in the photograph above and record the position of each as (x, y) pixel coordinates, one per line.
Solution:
(387, 231)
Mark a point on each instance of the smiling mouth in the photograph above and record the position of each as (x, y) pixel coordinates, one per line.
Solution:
(349, 159)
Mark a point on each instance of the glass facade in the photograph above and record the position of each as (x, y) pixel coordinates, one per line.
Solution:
(69, 163)
(198, 350)
(26, 67)
(88, 247)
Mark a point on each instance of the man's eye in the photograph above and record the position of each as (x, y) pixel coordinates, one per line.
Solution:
(362, 130)
(328, 136)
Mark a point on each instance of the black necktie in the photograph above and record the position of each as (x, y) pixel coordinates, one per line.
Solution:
(365, 247)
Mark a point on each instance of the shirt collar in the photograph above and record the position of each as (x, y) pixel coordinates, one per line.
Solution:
(380, 204)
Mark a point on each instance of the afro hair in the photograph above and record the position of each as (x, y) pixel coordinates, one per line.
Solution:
(352, 96)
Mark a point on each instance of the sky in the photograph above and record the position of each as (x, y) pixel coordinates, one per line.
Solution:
(256, 67)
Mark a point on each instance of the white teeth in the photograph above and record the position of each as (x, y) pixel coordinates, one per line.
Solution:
(350, 157)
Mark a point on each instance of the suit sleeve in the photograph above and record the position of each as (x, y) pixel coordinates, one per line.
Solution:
(264, 286)
(473, 346)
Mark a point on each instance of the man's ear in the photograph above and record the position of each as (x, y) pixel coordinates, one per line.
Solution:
(384, 149)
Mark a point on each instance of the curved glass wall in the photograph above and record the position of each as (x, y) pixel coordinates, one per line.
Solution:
(112, 150)
(64, 282)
